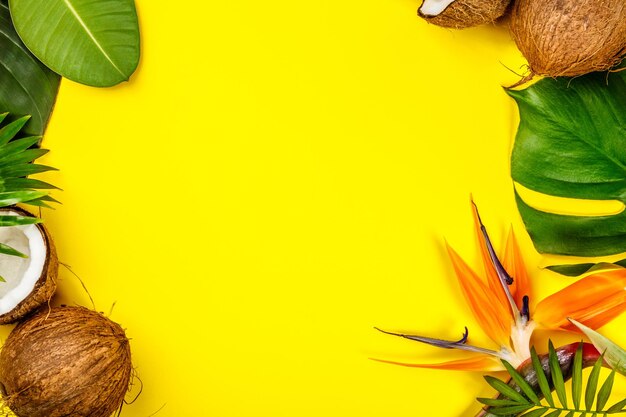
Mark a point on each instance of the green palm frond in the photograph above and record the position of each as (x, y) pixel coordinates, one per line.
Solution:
(17, 156)
(521, 399)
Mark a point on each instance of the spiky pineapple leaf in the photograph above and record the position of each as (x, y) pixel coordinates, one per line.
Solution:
(16, 164)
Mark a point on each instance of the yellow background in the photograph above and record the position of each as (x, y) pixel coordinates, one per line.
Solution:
(277, 179)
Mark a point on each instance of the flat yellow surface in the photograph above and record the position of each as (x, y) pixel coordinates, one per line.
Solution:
(277, 179)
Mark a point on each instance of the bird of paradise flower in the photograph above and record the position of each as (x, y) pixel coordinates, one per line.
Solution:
(501, 304)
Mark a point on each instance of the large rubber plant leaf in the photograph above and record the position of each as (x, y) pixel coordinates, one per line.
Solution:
(93, 42)
(571, 142)
(26, 85)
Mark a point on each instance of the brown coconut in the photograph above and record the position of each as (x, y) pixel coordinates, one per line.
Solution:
(45, 286)
(460, 14)
(570, 37)
(65, 361)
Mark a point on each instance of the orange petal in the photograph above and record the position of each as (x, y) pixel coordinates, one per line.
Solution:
(480, 363)
(514, 265)
(492, 276)
(493, 317)
(594, 301)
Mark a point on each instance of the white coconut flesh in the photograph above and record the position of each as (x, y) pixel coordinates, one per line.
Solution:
(434, 7)
(21, 274)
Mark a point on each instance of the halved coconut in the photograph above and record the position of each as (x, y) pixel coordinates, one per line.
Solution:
(460, 14)
(570, 37)
(31, 281)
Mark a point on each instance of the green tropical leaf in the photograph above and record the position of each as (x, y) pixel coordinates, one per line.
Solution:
(91, 42)
(557, 375)
(592, 384)
(521, 383)
(505, 389)
(577, 376)
(570, 143)
(496, 402)
(559, 366)
(614, 355)
(605, 391)
(574, 270)
(26, 85)
(511, 410)
(618, 406)
(542, 380)
(537, 412)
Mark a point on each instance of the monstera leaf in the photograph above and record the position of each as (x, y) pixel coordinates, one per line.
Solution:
(26, 85)
(571, 142)
(90, 42)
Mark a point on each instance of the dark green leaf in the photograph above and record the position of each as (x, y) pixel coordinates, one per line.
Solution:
(575, 270)
(536, 413)
(618, 406)
(91, 42)
(592, 384)
(570, 143)
(605, 391)
(26, 85)
(7, 250)
(496, 402)
(554, 413)
(510, 410)
(542, 380)
(577, 376)
(521, 382)
(504, 389)
(557, 375)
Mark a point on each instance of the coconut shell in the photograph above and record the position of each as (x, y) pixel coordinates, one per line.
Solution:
(570, 37)
(462, 14)
(65, 361)
(46, 284)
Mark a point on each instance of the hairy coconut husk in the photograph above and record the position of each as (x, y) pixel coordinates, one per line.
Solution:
(460, 14)
(66, 361)
(46, 284)
(570, 37)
